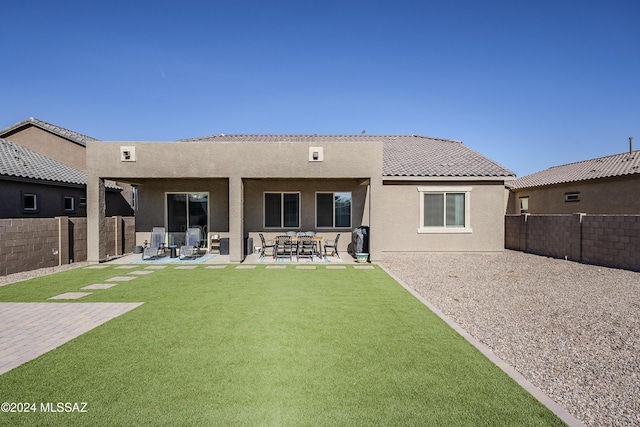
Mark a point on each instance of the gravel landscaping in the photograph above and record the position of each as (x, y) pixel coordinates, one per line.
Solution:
(26, 275)
(571, 329)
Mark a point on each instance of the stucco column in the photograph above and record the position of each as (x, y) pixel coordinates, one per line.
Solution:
(235, 219)
(375, 222)
(96, 208)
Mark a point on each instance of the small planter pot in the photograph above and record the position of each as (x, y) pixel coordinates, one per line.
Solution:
(362, 257)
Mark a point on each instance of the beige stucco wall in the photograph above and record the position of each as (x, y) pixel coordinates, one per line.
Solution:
(613, 196)
(401, 219)
(50, 145)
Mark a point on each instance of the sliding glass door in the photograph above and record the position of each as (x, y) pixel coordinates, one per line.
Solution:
(184, 211)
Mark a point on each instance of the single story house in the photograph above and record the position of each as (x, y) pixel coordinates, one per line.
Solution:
(416, 193)
(605, 185)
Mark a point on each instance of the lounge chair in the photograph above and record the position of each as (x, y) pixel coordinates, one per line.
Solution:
(155, 247)
(191, 249)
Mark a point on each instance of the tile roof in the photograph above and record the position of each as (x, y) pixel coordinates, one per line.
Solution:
(20, 162)
(76, 137)
(604, 167)
(403, 155)
(430, 157)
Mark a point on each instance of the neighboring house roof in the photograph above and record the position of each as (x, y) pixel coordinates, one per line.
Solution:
(20, 162)
(70, 135)
(403, 155)
(617, 165)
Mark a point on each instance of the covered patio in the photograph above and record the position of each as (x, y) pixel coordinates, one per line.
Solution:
(233, 191)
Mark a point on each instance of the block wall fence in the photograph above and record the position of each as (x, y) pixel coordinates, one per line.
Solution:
(607, 240)
(32, 243)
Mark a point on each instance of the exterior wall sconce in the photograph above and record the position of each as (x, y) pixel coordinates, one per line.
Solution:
(316, 154)
(127, 154)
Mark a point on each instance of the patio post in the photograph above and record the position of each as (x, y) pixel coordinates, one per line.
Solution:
(235, 219)
(375, 223)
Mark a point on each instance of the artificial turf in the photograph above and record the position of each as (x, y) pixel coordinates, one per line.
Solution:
(263, 347)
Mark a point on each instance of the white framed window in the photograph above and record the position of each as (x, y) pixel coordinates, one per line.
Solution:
(29, 202)
(69, 204)
(281, 210)
(445, 210)
(333, 210)
(524, 204)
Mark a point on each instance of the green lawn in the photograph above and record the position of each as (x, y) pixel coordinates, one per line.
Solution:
(263, 347)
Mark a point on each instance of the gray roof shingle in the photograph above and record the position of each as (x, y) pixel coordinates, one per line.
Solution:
(76, 137)
(604, 167)
(20, 162)
(403, 155)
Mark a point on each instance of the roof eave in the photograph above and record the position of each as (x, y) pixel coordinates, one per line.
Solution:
(446, 178)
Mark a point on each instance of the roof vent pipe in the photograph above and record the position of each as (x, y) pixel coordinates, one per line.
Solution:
(630, 144)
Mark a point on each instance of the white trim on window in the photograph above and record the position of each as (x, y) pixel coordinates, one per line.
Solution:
(333, 210)
(444, 229)
(282, 210)
(30, 200)
(69, 203)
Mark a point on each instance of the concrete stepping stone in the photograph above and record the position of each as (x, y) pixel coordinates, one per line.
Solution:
(141, 272)
(71, 295)
(185, 267)
(121, 279)
(155, 267)
(336, 267)
(245, 267)
(100, 286)
(277, 267)
(215, 267)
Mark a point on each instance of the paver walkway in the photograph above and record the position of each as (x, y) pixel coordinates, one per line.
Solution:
(28, 329)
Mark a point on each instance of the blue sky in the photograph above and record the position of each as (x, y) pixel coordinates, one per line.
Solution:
(530, 84)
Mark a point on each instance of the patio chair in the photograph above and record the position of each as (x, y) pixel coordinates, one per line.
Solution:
(284, 246)
(155, 247)
(265, 246)
(191, 249)
(332, 244)
(306, 247)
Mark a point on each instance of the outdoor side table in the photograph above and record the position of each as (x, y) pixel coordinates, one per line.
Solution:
(173, 253)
